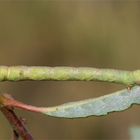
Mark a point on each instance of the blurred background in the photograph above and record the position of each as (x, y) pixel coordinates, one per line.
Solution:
(102, 34)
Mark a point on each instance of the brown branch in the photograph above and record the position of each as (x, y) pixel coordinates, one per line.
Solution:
(16, 123)
(15, 135)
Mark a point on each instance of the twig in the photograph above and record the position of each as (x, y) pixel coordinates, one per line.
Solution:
(16, 123)
(15, 135)
(19, 73)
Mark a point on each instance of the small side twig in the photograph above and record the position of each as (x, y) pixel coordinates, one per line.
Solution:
(16, 123)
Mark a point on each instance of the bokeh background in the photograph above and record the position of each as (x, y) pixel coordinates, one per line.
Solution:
(102, 34)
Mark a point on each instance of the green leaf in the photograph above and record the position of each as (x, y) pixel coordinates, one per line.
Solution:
(103, 105)
(117, 101)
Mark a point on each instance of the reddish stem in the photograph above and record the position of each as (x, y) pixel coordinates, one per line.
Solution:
(7, 101)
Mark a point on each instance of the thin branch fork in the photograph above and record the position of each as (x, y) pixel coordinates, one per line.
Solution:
(18, 125)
